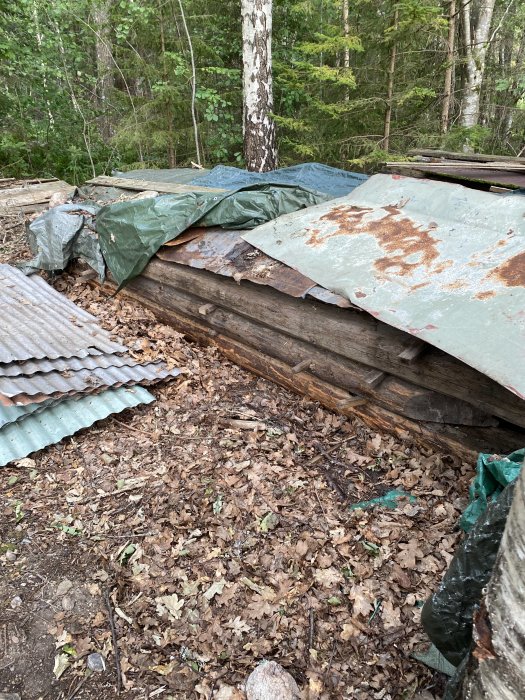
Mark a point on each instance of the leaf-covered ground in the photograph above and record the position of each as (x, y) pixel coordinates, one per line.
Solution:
(217, 522)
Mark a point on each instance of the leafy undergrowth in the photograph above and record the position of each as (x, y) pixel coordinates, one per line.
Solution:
(217, 519)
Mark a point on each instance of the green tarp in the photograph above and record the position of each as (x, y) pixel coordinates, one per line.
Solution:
(493, 474)
(130, 233)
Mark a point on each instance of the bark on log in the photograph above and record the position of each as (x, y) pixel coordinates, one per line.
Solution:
(354, 335)
(463, 442)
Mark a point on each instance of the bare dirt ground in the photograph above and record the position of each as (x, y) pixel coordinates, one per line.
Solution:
(214, 527)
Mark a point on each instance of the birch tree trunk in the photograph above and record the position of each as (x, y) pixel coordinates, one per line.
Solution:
(447, 93)
(260, 151)
(476, 28)
(499, 629)
(105, 78)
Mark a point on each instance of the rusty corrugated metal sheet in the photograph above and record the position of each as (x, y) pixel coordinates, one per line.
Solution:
(38, 322)
(65, 364)
(225, 253)
(22, 390)
(443, 262)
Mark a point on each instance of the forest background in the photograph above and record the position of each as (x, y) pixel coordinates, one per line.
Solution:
(96, 85)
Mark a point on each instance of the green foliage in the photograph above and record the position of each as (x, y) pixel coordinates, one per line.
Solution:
(61, 118)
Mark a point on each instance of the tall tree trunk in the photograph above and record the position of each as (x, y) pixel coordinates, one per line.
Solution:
(346, 53)
(390, 87)
(476, 37)
(447, 93)
(499, 673)
(105, 77)
(260, 150)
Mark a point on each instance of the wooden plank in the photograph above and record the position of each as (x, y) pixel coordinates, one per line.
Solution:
(463, 442)
(355, 378)
(32, 194)
(143, 185)
(470, 157)
(451, 166)
(356, 336)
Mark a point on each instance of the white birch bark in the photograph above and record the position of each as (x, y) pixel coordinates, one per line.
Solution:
(476, 30)
(260, 151)
(500, 633)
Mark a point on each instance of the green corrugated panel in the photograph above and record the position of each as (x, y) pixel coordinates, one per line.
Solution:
(51, 425)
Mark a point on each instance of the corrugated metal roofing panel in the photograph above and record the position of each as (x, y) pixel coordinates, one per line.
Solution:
(438, 260)
(47, 427)
(40, 387)
(39, 322)
(11, 414)
(65, 364)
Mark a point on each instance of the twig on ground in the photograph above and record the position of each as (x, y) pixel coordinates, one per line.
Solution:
(116, 652)
(311, 629)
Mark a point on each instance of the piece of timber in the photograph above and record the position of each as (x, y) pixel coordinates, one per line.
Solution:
(142, 185)
(462, 441)
(355, 335)
(470, 157)
(391, 393)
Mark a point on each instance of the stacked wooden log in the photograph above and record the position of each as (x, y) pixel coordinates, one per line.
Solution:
(341, 357)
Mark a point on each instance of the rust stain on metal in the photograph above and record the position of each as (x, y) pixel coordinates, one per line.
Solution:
(485, 295)
(398, 235)
(512, 271)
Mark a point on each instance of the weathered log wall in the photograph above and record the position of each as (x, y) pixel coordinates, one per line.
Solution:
(344, 359)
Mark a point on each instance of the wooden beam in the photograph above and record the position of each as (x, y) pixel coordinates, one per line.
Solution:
(143, 185)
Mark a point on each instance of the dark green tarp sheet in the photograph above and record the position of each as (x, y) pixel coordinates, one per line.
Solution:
(130, 233)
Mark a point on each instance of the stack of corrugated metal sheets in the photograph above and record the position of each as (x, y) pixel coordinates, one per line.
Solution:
(59, 370)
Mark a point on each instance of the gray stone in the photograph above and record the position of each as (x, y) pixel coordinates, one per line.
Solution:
(96, 662)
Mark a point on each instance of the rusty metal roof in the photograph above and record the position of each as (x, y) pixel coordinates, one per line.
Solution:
(440, 261)
(225, 253)
(38, 322)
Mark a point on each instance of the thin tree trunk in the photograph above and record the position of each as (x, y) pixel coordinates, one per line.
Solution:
(476, 39)
(193, 86)
(390, 87)
(447, 94)
(346, 53)
(499, 672)
(105, 77)
(260, 150)
(172, 160)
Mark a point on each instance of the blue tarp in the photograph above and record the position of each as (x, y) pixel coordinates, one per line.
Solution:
(314, 176)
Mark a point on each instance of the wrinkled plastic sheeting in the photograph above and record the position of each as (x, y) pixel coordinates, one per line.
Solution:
(314, 176)
(493, 474)
(174, 176)
(447, 614)
(63, 234)
(130, 233)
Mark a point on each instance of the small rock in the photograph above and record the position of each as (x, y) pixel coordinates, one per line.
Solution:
(16, 602)
(10, 696)
(10, 556)
(68, 603)
(269, 681)
(96, 662)
(64, 587)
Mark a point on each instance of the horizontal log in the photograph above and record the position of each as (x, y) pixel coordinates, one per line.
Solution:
(352, 334)
(390, 392)
(463, 442)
